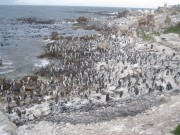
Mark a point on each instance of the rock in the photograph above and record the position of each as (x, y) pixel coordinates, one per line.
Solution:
(134, 34)
(150, 18)
(1, 62)
(81, 20)
(122, 30)
(29, 88)
(38, 110)
(18, 85)
(1, 81)
(6, 84)
(6, 127)
(123, 14)
(102, 47)
(161, 10)
(31, 117)
(45, 37)
(34, 20)
(142, 22)
(32, 78)
(54, 36)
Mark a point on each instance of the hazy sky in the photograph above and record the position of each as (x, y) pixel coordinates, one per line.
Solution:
(106, 3)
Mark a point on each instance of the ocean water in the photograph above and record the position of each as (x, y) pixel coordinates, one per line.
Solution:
(21, 43)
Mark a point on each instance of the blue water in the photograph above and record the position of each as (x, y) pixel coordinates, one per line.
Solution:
(20, 44)
(55, 12)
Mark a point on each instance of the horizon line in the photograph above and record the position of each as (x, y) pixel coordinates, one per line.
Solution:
(78, 6)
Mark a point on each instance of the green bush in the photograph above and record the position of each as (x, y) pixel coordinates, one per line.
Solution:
(147, 37)
(176, 131)
(157, 33)
(173, 29)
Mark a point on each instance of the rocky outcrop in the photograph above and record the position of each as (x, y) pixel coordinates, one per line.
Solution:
(32, 78)
(81, 20)
(146, 23)
(123, 14)
(6, 84)
(34, 20)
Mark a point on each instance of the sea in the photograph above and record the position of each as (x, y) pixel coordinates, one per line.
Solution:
(21, 43)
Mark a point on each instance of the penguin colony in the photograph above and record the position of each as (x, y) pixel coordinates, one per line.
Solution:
(92, 69)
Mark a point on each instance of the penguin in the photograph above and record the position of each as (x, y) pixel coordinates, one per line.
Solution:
(121, 94)
(18, 112)
(107, 97)
(161, 88)
(136, 91)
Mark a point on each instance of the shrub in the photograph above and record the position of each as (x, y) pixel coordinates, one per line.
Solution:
(173, 29)
(147, 37)
(176, 131)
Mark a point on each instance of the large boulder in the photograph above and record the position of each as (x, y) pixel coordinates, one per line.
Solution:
(6, 84)
(81, 20)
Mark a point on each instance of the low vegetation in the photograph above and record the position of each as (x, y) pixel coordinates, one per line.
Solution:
(147, 37)
(173, 29)
(176, 131)
(157, 33)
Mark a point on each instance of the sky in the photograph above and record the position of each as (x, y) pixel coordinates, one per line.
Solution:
(103, 3)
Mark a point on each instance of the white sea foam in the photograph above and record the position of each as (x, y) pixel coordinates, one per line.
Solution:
(42, 63)
(114, 13)
(7, 62)
(7, 71)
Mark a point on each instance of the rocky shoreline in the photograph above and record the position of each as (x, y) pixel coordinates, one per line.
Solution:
(129, 67)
